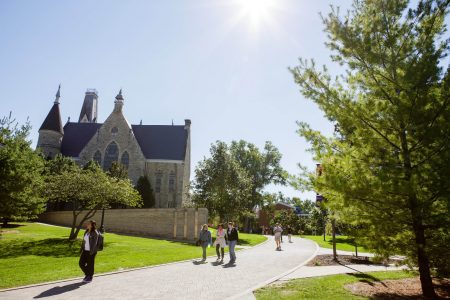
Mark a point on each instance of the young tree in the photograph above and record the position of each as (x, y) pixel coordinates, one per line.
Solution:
(21, 171)
(88, 190)
(144, 188)
(221, 184)
(118, 171)
(389, 157)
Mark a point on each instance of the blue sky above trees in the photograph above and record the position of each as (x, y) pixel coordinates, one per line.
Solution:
(221, 63)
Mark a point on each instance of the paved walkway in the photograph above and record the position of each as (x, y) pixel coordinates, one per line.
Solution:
(185, 280)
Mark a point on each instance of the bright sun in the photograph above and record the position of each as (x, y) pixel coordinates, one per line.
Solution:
(257, 10)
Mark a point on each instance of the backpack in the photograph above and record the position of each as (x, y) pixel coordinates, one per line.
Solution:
(100, 242)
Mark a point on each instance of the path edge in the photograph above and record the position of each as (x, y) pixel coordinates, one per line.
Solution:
(275, 278)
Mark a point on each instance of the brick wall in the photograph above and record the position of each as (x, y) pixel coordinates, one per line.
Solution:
(171, 223)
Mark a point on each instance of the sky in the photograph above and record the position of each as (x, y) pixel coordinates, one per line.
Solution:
(221, 63)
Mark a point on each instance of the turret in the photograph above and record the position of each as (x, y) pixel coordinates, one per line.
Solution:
(51, 131)
(89, 109)
(118, 103)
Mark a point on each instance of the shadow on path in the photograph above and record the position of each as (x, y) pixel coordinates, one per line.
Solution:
(57, 290)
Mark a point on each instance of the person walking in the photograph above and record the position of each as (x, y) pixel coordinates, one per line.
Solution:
(277, 230)
(89, 250)
(289, 233)
(233, 237)
(220, 243)
(204, 239)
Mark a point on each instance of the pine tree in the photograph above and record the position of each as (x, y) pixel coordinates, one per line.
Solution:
(386, 167)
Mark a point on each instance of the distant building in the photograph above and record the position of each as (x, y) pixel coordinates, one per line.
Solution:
(264, 216)
(161, 152)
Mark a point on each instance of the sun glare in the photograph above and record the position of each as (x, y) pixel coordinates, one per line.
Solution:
(257, 10)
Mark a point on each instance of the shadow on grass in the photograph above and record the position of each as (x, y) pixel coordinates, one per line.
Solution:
(341, 240)
(54, 247)
(366, 278)
(58, 290)
(11, 226)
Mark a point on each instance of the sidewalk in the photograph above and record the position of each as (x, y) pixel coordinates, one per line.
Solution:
(185, 280)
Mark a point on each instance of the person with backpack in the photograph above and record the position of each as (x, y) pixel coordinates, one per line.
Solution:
(92, 242)
(204, 239)
(232, 237)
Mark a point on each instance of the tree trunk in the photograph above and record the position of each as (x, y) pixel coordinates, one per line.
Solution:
(5, 222)
(423, 263)
(333, 230)
(417, 221)
(72, 235)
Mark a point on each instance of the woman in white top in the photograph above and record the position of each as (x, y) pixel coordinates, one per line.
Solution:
(220, 242)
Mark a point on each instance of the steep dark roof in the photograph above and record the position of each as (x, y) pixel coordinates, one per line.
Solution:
(156, 141)
(53, 120)
(161, 141)
(76, 136)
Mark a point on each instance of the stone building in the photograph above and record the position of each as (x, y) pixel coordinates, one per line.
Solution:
(161, 152)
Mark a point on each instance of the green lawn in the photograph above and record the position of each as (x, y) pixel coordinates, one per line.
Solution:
(245, 239)
(342, 242)
(33, 253)
(325, 287)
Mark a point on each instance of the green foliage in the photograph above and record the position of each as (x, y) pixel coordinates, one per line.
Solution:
(88, 190)
(386, 167)
(230, 183)
(221, 184)
(118, 171)
(144, 188)
(21, 171)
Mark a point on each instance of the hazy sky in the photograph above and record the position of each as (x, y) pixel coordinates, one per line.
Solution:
(222, 64)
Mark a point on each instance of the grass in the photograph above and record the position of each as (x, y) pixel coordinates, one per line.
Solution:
(342, 242)
(325, 287)
(245, 239)
(33, 253)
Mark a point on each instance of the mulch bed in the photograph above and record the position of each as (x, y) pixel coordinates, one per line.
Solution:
(398, 289)
(327, 260)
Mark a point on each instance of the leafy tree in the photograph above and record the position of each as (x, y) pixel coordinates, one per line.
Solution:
(221, 184)
(264, 167)
(144, 188)
(21, 171)
(388, 159)
(118, 171)
(88, 190)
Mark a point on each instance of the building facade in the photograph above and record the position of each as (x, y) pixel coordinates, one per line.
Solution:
(160, 152)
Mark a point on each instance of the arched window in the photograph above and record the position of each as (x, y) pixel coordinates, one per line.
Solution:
(158, 181)
(98, 157)
(125, 160)
(172, 182)
(111, 155)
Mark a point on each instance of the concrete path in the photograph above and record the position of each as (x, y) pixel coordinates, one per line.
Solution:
(186, 280)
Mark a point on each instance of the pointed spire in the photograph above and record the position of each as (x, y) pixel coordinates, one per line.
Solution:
(119, 96)
(58, 94)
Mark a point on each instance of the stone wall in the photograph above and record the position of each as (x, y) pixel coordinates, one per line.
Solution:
(170, 223)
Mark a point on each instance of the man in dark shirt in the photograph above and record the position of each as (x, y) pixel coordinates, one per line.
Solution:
(232, 237)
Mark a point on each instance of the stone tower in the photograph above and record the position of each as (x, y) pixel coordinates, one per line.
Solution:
(51, 131)
(89, 109)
